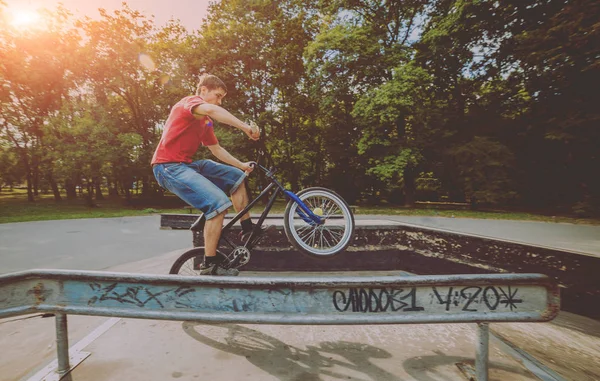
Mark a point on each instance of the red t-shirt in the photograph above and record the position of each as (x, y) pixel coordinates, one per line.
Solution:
(183, 133)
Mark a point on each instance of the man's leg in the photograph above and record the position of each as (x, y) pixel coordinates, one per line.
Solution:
(212, 233)
(240, 200)
(198, 191)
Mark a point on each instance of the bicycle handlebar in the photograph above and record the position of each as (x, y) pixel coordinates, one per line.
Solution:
(267, 171)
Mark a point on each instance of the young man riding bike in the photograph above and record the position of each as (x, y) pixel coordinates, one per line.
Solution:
(204, 184)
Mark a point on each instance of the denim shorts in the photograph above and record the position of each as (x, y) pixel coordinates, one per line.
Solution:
(203, 184)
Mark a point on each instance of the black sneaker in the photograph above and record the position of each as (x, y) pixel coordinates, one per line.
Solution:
(216, 269)
(263, 229)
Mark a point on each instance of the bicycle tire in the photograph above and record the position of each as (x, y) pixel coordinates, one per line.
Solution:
(184, 265)
(309, 239)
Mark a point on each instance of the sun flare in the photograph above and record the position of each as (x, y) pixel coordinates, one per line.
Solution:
(23, 18)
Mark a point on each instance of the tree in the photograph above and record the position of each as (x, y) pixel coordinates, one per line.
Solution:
(11, 170)
(37, 72)
(124, 76)
(257, 49)
(532, 67)
(399, 122)
(360, 47)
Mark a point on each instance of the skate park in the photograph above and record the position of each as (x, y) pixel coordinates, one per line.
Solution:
(104, 347)
(457, 141)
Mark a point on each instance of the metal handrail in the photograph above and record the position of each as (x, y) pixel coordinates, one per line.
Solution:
(291, 300)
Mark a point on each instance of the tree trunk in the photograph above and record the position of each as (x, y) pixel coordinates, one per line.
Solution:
(89, 197)
(127, 194)
(71, 189)
(54, 187)
(409, 187)
(113, 191)
(30, 196)
(98, 183)
(36, 181)
(146, 190)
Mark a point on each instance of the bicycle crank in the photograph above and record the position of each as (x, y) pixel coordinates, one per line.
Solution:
(240, 256)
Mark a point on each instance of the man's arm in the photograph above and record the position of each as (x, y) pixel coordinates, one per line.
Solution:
(222, 154)
(219, 114)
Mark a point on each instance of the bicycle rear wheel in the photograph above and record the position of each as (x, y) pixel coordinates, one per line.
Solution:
(323, 240)
(188, 263)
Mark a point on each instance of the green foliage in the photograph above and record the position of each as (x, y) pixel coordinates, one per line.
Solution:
(257, 49)
(11, 170)
(485, 167)
(483, 101)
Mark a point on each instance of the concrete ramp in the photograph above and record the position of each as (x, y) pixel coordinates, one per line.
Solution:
(383, 245)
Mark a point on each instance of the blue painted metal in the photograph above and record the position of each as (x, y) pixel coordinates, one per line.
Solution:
(309, 217)
(294, 300)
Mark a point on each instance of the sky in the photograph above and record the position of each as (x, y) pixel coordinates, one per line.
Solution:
(189, 12)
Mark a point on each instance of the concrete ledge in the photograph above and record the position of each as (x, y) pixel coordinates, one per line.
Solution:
(184, 221)
(388, 245)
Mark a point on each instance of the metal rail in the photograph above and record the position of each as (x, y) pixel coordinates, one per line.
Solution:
(292, 300)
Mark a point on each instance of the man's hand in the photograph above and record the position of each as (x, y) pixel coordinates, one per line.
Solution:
(248, 167)
(253, 132)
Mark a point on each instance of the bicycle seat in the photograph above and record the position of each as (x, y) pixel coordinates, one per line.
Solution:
(198, 225)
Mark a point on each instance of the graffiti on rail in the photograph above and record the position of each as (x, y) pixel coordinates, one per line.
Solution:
(376, 300)
(139, 295)
(413, 299)
(474, 298)
(399, 299)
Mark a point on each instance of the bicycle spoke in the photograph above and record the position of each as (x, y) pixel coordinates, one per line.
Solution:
(332, 209)
(303, 228)
(337, 238)
(313, 238)
(335, 235)
(338, 230)
(321, 245)
(310, 232)
(188, 267)
(325, 238)
(306, 231)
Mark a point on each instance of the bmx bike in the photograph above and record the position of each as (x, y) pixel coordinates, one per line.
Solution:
(317, 222)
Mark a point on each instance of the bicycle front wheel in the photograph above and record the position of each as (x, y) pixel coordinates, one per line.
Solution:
(188, 263)
(325, 240)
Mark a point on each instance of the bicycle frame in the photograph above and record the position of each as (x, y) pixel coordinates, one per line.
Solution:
(306, 214)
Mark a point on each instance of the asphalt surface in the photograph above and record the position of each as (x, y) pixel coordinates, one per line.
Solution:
(155, 350)
(570, 237)
(85, 244)
(97, 244)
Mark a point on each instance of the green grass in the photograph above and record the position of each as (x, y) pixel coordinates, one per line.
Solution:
(14, 207)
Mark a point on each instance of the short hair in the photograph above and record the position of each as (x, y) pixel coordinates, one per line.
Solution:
(211, 82)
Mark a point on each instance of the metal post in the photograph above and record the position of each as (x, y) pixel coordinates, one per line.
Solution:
(62, 344)
(482, 354)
